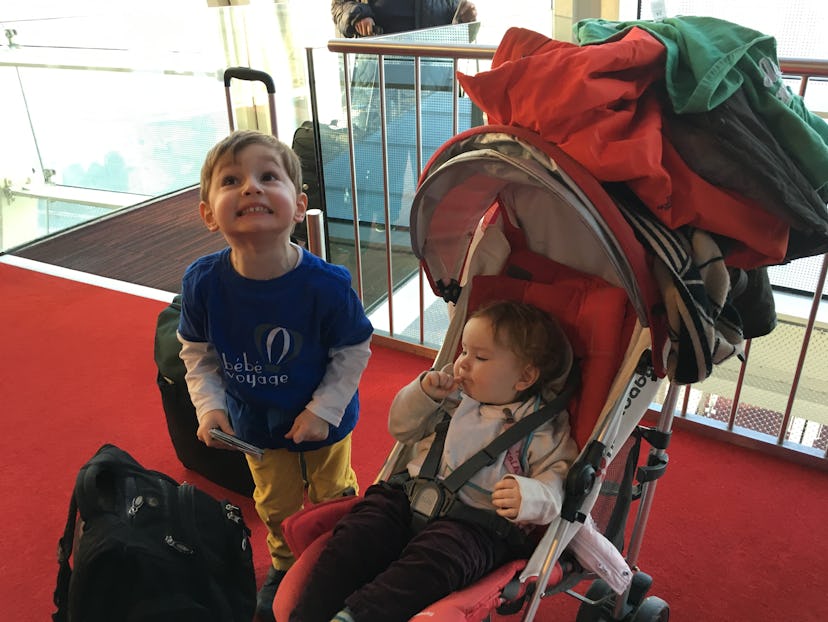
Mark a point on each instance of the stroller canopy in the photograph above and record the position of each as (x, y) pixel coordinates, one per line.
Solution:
(563, 211)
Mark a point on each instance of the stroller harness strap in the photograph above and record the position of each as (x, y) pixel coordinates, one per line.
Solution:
(431, 498)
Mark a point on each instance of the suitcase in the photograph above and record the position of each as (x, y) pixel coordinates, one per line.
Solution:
(317, 155)
(224, 467)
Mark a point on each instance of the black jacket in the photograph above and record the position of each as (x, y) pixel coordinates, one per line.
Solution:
(392, 15)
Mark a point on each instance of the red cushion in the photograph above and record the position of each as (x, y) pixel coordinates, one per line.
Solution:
(478, 601)
(596, 317)
(303, 527)
(294, 581)
(305, 533)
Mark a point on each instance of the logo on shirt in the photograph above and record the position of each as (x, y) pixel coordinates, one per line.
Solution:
(275, 346)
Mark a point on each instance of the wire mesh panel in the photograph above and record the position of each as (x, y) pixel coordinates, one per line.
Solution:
(612, 489)
(767, 386)
(801, 275)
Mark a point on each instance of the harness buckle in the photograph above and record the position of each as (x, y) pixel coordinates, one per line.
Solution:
(428, 499)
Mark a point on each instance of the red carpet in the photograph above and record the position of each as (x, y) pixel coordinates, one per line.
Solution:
(734, 535)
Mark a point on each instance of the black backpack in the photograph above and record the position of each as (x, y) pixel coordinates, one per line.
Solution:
(150, 550)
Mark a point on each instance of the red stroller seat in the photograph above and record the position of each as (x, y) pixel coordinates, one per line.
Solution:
(597, 320)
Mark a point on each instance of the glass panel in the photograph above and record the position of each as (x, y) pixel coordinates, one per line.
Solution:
(119, 29)
(816, 95)
(435, 317)
(53, 216)
(400, 134)
(19, 166)
(769, 377)
(109, 110)
(767, 386)
(797, 26)
(713, 398)
(141, 133)
(436, 82)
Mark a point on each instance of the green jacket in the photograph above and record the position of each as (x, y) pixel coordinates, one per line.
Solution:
(708, 59)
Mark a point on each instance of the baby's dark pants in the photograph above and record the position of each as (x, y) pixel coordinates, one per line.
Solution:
(380, 570)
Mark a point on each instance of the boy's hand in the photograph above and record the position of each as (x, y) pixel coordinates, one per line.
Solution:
(438, 385)
(506, 498)
(308, 427)
(213, 419)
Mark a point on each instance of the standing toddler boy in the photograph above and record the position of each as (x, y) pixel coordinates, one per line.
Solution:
(274, 339)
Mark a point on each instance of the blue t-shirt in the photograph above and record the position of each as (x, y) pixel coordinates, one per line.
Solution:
(272, 339)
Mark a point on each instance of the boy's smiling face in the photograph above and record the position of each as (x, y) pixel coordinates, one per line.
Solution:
(251, 194)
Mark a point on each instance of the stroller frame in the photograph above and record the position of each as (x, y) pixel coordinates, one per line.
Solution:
(505, 178)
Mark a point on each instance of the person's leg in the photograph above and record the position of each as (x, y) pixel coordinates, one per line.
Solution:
(279, 492)
(329, 472)
(363, 543)
(444, 557)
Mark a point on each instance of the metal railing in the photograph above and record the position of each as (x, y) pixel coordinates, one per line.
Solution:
(807, 71)
(455, 52)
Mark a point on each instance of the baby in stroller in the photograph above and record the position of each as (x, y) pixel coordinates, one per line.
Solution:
(411, 541)
(539, 230)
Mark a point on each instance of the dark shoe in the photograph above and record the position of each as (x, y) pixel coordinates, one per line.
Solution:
(343, 616)
(264, 599)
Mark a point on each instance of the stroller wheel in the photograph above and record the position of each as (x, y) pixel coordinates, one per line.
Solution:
(599, 603)
(652, 609)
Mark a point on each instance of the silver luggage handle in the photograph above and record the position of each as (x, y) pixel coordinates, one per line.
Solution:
(251, 75)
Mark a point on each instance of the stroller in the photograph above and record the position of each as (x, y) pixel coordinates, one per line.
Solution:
(500, 213)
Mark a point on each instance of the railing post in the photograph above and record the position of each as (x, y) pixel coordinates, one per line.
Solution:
(809, 328)
(316, 233)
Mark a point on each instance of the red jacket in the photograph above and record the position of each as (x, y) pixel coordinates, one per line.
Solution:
(602, 105)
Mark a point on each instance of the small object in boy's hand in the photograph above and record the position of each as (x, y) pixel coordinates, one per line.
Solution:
(236, 443)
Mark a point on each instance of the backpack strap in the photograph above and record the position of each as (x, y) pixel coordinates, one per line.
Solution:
(64, 552)
(431, 463)
(90, 496)
(204, 567)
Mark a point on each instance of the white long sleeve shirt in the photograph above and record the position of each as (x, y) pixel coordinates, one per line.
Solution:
(544, 457)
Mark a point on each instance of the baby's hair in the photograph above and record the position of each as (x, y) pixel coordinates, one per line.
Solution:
(240, 139)
(532, 335)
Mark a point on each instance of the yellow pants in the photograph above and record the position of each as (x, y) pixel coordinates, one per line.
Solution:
(280, 478)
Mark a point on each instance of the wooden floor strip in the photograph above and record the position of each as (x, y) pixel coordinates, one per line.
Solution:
(149, 245)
